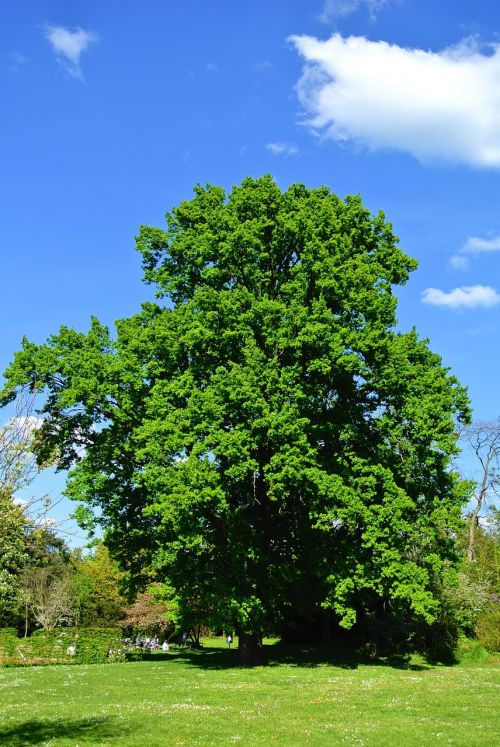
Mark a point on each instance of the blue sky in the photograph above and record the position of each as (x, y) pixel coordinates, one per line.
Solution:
(112, 111)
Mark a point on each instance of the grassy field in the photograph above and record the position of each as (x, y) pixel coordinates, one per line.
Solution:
(203, 698)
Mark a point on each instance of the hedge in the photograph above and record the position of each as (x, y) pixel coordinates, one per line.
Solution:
(62, 646)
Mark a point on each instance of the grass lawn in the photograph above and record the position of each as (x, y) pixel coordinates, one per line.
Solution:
(203, 698)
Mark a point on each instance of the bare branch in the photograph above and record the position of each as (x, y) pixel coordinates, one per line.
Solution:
(483, 439)
(17, 460)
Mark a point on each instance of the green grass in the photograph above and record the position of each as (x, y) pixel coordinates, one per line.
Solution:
(203, 698)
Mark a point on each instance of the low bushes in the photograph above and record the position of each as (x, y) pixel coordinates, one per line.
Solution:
(64, 645)
(488, 628)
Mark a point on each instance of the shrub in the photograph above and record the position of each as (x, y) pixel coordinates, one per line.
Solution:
(63, 645)
(8, 643)
(488, 628)
(471, 650)
(98, 645)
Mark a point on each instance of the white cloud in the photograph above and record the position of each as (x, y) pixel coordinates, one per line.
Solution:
(282, 149)
(435, 105)
(19, 428)
(26, 422)
(337, 8)
(69, 46)
(474, 245)
(469, 297)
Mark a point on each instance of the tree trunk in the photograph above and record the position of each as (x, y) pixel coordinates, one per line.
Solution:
(250, 649)
(471, 546)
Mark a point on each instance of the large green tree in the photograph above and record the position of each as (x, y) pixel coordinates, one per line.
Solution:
(262, 438)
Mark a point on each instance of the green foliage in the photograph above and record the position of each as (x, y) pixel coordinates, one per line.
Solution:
(46, 549)
(65, 645)
(488, 627)
(485, 569)
(8, 642)
(98, 645)
(49, 645)
(475, 599)
(13, 557)
(263, 440)
(17, 468)
(471, 650)
(96, 586)
(46, 579)
(466, 600)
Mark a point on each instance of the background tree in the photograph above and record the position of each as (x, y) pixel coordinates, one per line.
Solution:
(477, 595)
(483, 440)
(264, 439)
(50, 597)
(18, 464)
(96, 582)
(471, 597)
(13, 557)
(17, 468)
(149, 614)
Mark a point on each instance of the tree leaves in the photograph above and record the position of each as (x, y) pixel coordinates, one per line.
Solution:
(265, 440)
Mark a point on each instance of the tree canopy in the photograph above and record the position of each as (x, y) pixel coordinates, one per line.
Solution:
(262, 439)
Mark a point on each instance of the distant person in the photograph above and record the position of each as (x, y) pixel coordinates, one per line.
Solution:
(229, 639)
(164, 646)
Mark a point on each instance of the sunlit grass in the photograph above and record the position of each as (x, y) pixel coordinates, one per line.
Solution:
(203, 698)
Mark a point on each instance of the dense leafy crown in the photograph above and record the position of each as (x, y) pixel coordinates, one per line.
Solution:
(264, 442)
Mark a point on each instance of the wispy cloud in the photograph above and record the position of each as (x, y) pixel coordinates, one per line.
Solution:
(264, 66)
(333, 9)
(69, 46)
(282, 149)
(435, 105)
(470, 297)
(18, 61)
(459, 262)
(474, 245)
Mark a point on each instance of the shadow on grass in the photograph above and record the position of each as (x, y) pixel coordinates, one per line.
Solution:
(85, 730)
(278, 654)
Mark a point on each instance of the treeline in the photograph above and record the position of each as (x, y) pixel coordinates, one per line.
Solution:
(55, 587)
(44, 584)
(47, 585)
